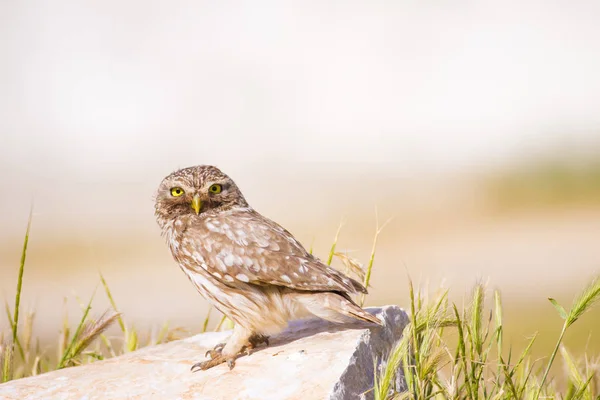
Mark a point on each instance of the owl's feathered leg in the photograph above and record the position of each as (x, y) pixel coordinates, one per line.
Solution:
(228, 353)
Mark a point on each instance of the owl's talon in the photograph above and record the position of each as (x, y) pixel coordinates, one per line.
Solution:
(213, 362)
(216, 351)
(231, 363)
(212, 354)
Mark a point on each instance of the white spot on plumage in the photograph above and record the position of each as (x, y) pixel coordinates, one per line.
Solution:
(211, 227)
(242, 277)
(220, 264)
(198, 257)
(218, 275)
(231, 236)
(262, 242)
(286, 278)
(228, 278)
(228, 260)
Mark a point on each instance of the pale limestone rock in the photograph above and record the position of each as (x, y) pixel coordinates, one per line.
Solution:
(312, 359)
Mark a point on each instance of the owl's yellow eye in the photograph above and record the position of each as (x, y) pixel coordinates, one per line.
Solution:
(176, 191)
(215, 189)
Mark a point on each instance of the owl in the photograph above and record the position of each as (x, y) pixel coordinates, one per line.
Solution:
(247, 266)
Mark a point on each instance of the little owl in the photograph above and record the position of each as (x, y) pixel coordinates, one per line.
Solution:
(249, 267)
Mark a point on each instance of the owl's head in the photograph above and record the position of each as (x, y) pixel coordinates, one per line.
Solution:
(197, 190)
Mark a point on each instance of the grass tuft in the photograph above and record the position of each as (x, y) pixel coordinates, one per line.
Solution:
(471, 363)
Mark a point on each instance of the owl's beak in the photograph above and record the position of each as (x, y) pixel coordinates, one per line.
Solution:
(196, 204)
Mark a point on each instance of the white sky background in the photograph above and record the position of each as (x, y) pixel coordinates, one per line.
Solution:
(115, 92)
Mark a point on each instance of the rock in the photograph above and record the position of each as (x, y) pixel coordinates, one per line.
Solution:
(312, 359)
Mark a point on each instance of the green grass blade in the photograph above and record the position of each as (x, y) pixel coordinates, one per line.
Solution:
(559, 308)
(68, 353)
(206, 320)
(15, 324)
(132, 340)
(112, 302)
(367, 279)
(221, 322)
(499, 328)
(333, 246)
(11, 322)
(551, 361)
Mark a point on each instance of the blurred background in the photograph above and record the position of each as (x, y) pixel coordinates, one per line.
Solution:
(473, 125)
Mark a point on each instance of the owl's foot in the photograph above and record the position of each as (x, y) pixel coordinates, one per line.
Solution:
(220, 359)
(216, 351)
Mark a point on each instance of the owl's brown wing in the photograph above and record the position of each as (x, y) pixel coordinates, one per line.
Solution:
(242, 246)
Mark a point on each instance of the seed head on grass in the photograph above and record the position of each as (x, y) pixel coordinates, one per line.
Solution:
(352, 265)
(6, 360)
(89, 331)
(585, 301)
(582, 303)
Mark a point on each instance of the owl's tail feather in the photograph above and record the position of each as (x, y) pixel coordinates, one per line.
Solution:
(335, 307)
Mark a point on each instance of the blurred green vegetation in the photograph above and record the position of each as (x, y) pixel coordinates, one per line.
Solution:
(546, 182)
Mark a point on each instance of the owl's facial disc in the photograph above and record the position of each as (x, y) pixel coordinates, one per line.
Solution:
(195, 191)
